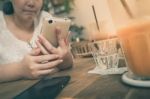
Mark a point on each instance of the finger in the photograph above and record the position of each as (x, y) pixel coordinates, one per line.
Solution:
(67, 39)
(46, 72)
(61, 40)
(50, 64)
(43, 50)
(47, 44)
(66, 42)
(44, 58)
(35, 52)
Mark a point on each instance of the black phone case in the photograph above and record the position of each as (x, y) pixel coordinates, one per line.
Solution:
(45, 88)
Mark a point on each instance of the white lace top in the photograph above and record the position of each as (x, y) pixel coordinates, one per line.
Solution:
(11, 48)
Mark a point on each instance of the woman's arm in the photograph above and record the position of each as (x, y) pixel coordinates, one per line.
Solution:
(30, 67)
(9, 72)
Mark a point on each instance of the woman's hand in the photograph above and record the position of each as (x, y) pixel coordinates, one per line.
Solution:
(34, 65)
(61, 50)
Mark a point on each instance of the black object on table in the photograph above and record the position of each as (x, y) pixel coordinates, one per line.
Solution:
(45, 89)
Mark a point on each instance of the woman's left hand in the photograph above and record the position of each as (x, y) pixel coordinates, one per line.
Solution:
(62, 50)
(48, 48)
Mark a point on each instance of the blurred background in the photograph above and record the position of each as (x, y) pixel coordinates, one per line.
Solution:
(92, 19)
(113, 13)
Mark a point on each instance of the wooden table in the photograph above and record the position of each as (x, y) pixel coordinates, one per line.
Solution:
(83, 85)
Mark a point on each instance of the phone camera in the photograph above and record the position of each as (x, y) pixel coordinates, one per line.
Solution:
(50, 21)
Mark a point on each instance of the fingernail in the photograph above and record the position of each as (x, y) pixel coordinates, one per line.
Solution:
(60, 60)
(39, 40)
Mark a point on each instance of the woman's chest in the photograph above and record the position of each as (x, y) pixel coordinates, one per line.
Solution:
(12, 51)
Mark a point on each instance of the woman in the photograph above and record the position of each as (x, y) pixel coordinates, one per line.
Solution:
(20, 25)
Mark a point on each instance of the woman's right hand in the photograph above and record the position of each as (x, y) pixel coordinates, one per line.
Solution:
(35, 65)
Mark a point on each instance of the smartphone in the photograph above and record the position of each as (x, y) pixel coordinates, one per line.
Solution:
(47, 88)
(49, 29)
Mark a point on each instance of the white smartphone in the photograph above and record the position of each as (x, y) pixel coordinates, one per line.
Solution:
(49, 29)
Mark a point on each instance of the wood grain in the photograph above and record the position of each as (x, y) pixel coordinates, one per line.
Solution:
(83, 85)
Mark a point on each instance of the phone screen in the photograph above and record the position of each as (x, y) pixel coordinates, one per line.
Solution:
(45, 88)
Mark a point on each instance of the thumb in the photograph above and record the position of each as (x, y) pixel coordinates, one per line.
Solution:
(61, 40)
